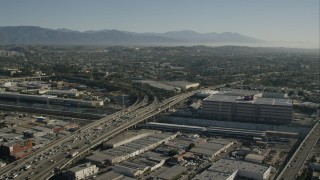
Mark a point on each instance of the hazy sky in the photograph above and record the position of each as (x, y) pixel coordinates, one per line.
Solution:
(272, 20)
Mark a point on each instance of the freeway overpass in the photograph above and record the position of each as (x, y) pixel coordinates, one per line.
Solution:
(54, 156)
(295, 164)
(13, 167)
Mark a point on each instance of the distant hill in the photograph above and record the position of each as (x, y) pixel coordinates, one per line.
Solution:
(45, 36)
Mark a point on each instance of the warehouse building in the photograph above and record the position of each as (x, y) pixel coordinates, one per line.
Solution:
(171, 173)
(98, 158)
(215, 130)
(175, 127)
(130, 169)
(182, 84)
(37, 132)
(111, 175)
(248, 108)
(256, 158)
(147, 162)
(134, 148)
(71, 92)
(82, 171)
(212, 148)
(160, 85)
(14, 150)
(227, 169)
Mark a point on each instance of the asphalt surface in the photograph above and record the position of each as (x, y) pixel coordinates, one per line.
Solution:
(54, 157)
(293, 167)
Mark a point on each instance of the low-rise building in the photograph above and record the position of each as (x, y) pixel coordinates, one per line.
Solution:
(2, 164)
(71, 92)
(182, 84)
(37, 132)
(134, 148)
(227, 169)
(130, 169)
(15, 149)
(212, 148)
(82, 171)
(254, 158)
(172, 173)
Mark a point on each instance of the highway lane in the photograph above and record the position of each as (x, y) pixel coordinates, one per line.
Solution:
(16, 166)
(95, 137)
(143, 114)
(61, 159)
(291, 171)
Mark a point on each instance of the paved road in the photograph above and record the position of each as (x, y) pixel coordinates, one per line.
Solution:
(124, 123)
(57, 154)
(293, 167)
(37, 158)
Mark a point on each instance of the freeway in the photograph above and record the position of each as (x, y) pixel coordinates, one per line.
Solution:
(17, 168)
(295, 164)
(140, 115)
(51, 159)
(95, 138)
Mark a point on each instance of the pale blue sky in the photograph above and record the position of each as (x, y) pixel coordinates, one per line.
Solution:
(272, 20)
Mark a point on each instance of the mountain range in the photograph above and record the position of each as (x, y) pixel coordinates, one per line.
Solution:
(45, 36)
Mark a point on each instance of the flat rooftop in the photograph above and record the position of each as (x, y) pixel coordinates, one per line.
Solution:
(237, 92)
(158, 85)
(224, 168)
(172, 172)
(256, 100)
(135, 145)
(80, 167)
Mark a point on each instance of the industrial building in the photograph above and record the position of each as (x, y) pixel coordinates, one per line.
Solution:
(233, 132)
(175, 127)
(203, 93)
(82, 171)
(239, 92)
(37, 131)
(256, 158)
(111, 175)
(71, 92)
(247, 133)
(160, 85)
(147, 162)
(182, 84)
(130, 169)
(248, 108)
(134, 148)
(171, 173)
(227, 169)
(14, 150)
(2, 164)
(212, 148)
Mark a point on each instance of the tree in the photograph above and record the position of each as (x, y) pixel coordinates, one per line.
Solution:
(191, 145)
(300, 93)
(173, 152)
(290, 93)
